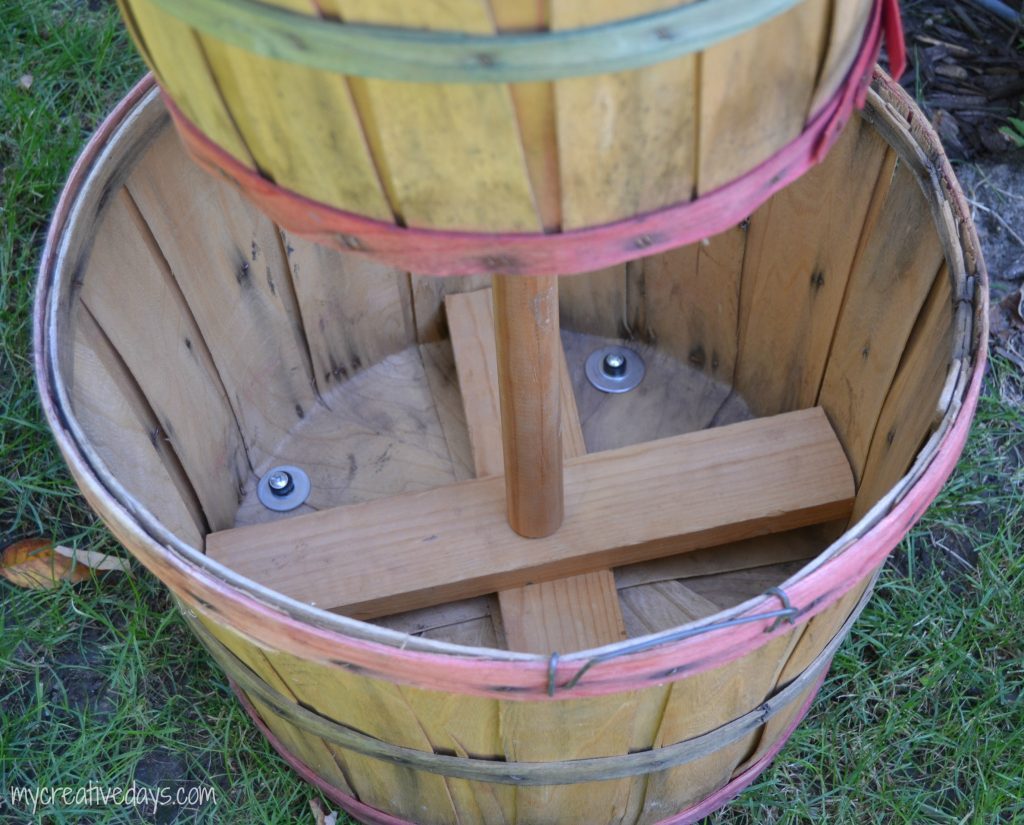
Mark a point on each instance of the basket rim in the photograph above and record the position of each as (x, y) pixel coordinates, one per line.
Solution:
(272, 619)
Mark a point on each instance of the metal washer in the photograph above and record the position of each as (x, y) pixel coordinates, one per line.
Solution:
(282, 504)
(606, 382)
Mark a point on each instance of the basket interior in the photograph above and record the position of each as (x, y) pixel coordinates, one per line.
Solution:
(201, 345)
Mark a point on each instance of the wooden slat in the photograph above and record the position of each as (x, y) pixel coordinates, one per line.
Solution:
(899, 254)
(229, 264)
(800, 250)
(626, 141)
(535, 111)
(314, 751)
(849, 22)
(911, 405)
(690, 298)
(641, 502)
(136, 301)
(755, 92)
(474, 177)
(565, 614)
(328, 158)
(699, 704)
(181, 66)
(355, 311)
(529, 354)
(121, 426)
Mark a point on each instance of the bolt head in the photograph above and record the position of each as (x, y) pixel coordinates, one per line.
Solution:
(279, 482)
(614, 364)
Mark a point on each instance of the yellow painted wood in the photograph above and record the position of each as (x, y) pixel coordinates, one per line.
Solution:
(226, 258)
(894, 271)
(800, 251)
(745, 116)
(849, 22)
(911, 405)
(626, 141)
(809, 642)
(535, 111)
(180, 63)
(472, 176)
(136, 301)
(380, 709)
(312, 750)
(122, 428)
(699, 704)
(328, 158)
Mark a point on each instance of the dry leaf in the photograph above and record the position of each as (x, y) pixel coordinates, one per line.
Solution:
(319, 815)
(36, 564)
(25, 81)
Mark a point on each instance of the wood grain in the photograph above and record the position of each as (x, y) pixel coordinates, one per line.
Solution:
(800, 251)
(899, 254)
(178, 59)
(626, 141)
(911, 407)
(471, 177)
(742, 124)
(529, 358)
(134, 298)
(355, 312)
(328, 158)
(123, 429)
(563, 615)
(227, 259)
(660, 498)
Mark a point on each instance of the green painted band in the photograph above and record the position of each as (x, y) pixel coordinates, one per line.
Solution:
(419, 55)
(572, 772)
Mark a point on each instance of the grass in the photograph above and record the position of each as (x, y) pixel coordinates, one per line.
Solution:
(921, 720)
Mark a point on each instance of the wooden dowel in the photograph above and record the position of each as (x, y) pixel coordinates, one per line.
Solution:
(529, 352)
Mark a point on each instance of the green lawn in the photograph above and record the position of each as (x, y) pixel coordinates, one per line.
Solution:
(921, 720)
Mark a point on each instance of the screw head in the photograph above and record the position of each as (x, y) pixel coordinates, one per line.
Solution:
(614, 364)
(280, 483)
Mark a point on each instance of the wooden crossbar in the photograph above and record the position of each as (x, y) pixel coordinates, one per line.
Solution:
(636, 503)
(568, 614)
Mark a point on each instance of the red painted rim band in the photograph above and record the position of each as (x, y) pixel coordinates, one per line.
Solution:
(373, 816)
(445, 253)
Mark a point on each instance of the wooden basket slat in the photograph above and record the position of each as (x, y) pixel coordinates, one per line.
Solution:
(898, 259)
(690, 301)
(176, 56)
(741, 127)
(117, 418)
(911, 407)
(149, 325)
(355, 311)
(228, 262)
(802, 246)
(328, 159)
(849, 19)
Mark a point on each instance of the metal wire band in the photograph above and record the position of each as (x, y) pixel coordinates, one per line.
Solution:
(522, 773)
(418, 55)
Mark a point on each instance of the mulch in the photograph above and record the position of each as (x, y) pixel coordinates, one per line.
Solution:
(966, 69)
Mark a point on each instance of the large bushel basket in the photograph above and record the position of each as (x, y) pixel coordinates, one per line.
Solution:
(185, 345)
(510, 136)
